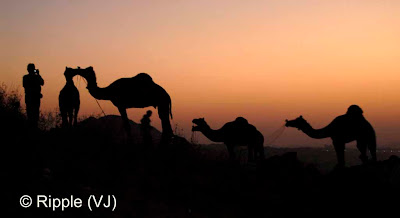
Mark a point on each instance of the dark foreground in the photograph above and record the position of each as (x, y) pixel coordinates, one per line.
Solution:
(183, 180)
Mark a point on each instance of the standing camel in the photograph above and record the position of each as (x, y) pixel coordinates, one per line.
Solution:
(235, 133)
(68, 100)
(136, 92)
(343, 129)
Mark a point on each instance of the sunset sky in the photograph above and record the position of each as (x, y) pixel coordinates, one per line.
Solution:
(264, 60)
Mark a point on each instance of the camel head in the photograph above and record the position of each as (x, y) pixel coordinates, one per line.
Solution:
(298, 123)
(69, 73)
(200, 122)
(89, 74)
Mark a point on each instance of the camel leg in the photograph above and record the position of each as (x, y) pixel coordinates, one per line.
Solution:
(163, 113)
(339, 148)
(231, 152)
(125, 120)
(372, 149)
(362, 147)
(260, 152)
(250, 153)
(70, 117)
(259, 147)
(64, 119)
(76, 116)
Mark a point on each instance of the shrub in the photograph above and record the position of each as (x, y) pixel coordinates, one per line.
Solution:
(12, 118)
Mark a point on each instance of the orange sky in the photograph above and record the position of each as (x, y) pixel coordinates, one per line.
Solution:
(264, 60)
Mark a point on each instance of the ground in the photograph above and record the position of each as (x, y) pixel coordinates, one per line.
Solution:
(184, 180)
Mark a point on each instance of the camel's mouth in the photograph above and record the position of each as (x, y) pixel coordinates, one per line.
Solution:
(198, 124)
(195, 121)
(195, 128)
(290, 123)
(286, 123)
(296, 123)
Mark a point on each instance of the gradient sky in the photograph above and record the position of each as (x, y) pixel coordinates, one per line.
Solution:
(263, 60)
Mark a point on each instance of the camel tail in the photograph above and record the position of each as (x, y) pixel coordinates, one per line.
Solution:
(170, 110)
(372, 145)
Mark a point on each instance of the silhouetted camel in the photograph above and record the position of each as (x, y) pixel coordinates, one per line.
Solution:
(235, 133)
(68, 100)
(136, 92)
(343, 129)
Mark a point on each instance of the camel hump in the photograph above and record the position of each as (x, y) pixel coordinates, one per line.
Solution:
(251, 127)
(240, 125)
(241, 121)
(228, 125)
(143, 77)
(354, 110)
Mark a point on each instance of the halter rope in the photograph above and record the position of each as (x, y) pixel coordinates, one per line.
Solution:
(275, 135)
(95, 99)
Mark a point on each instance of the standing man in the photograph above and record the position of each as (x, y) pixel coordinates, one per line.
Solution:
(32, 83)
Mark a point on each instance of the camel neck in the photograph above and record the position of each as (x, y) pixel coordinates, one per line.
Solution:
(98, 93)
(92, 84)
(315, 133)
(70, 82)
(213, 135)
(95, 91)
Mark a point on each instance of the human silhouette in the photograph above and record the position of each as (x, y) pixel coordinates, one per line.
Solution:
(32, 83)
(343, 129)
(145, 121)
(136, 92)
(146, 127)
(68, 99)
(236, 133)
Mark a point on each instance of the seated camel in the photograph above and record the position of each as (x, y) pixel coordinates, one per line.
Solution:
(235, 133)
(343, 129)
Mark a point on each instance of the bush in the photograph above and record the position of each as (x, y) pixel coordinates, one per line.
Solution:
(49, 120)
(12, 118)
